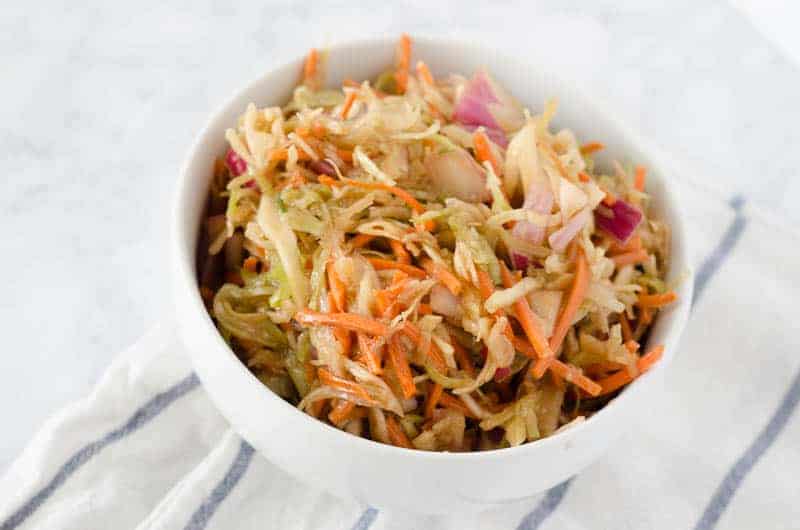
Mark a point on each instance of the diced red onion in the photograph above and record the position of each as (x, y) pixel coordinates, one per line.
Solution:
(235, 163)
(520, 261)
(322, 166)
(539, 199)
(251, 184)
(622, 222)
(483, 102)
(561, 238)
(502, 373)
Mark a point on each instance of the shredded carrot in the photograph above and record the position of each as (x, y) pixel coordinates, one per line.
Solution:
(584, 177)
(442, 275)
(577, 293)
(434, 353)
(483, 151)
(282, 154)
(328, 379)
(370, 352)
(451, 402)
(433, 399)
(633, 243)
(250, 264)
(341, 412)
(351, 321)
(348, 102)
(399, 363)
(627, 333)
(361, 240)
(403, 62)
(396, 434)
(646, 316)
(632, 346)
(350, 83)
(623, 377)
(424, 72)
(342, 335)
(657, 300)
(462, 358)
(345, 154)
(609, 199)
(400, 252)
(639, 178)
(530, 323)
(337, 288)
(310, 68)
(630, 258)
(591, 147)
(574, 375)
(425, 309)
(436, 113)
(400, 193)
(317, 407)
(385, 264)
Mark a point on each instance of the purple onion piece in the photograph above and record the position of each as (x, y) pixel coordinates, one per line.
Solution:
(235, 163)
(623, 221)
(322, 166)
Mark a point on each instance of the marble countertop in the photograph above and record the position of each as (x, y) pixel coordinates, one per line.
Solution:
(101, 102)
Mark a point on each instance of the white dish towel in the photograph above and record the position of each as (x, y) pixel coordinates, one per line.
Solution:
(721, 448)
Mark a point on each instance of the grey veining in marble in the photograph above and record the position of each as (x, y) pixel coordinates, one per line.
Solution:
(100, 100)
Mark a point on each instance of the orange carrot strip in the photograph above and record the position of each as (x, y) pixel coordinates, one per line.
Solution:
(361, 240)
(370, 352)
(425, 309)
(327, 378)
(577, 293)
(623, 377)
(350, 83)
(433, 399)
(646, 316)
(442, 275)
(348, 102)
(399, 362)
(345, 154)
(310, 68)
(627, 333)
(591, 147)
(250, 264)
(657, 300)
(639, 178)
(584, 177)
(424, 72)
(341, 412)
(609, 199)
(342, 335)
(530, 324)
(385, 264)
(462, 358)
(434, 353)
(337, 289)
(630, 258)
(396, 434)
(400, 252)
(454, 403)
(403, 62)
(632, 346)
(633, 243)
(351, 321)
(401, 193)
(483, 150)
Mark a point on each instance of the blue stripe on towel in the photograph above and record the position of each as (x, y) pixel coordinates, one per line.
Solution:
(206, 510)
(142, 416)
(736, 475)
(366, 519)
(546, 506)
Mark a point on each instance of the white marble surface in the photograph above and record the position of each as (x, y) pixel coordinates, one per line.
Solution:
(100, 102)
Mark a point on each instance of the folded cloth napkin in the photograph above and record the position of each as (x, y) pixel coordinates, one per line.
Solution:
(148, 450)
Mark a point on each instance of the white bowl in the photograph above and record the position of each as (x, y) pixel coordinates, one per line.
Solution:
(382, 475)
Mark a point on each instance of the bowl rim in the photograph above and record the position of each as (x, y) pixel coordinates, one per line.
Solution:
(185, 283)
